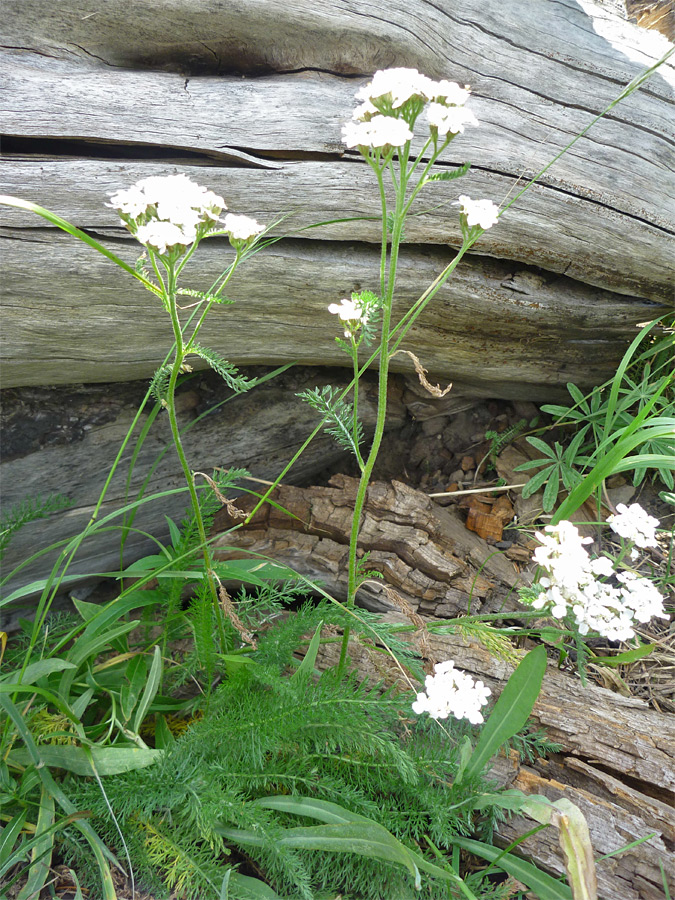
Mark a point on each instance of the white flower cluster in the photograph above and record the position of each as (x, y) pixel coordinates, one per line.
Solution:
(241, 228)
(167, 212)
(483, 213)
(451, 692)
(634, 524)
(394, 99)
(572, 585)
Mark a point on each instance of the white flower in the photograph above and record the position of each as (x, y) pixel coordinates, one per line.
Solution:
(178, 192)
(167, 210)
(380, 131)
(602, 566)
(131, 202)
(452, 692)
(634, 524)
(162, 236)
(242, 228)
(401, 84)
(641, 597)
(347, 310)
(483, 213)
(365, 110)
(450, 118)
(449, 93)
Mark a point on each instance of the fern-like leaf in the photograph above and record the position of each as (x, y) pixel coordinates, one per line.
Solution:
(28, 511)
(203, 295)
(447, 175)
(229, 373)
(159, 384)
(339, 416)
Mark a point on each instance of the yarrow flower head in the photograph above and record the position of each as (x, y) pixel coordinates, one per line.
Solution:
(242, 228)
(164, 236)
(572, 586)
(450, 119)
(483, 213)
(634, 524)
(396, 85)
(358, 313)
(451, 692)
(167, 213)
(392, 101)
(378, 132)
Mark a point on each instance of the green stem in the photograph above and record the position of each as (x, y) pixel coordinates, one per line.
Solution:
(381, 401)
(178, 444)
(210, 303)
(355, 406)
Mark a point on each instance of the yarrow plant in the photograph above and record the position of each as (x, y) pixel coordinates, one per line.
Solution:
(451, 692)
(594, 593)
(170, 215)
(388, 117)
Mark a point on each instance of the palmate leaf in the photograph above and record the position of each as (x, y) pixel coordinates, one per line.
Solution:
(338, 416)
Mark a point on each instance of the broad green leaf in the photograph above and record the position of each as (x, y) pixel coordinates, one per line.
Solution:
(80, 705)
(551, 491)
(306, 667)
(99, 849)
(108, 760)
(9, 835)
(542, 446)
(152, 686)
(252, 571)
(41, 854)
(88, 647)
(249, 888)
(39, 669)
(35, 587)
(163, 735)
(132, 684)
(575, 841)
(174, 531)
(544, 886)
(364, 838)
(511, 711)
(80, 235)
(333, 814)
(625, 658)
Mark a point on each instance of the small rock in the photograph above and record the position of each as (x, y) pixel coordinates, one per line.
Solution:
(467, 463)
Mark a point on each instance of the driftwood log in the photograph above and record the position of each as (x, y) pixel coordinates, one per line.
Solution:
(617, 757)
(95, 97)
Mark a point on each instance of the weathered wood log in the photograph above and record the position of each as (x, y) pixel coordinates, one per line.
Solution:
(497, 328)
(93, 87)
(65, 442)
(617, 755)
(427, 558)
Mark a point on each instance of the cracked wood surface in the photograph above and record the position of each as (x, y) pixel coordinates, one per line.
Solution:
(496, 328)
(147, 80)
